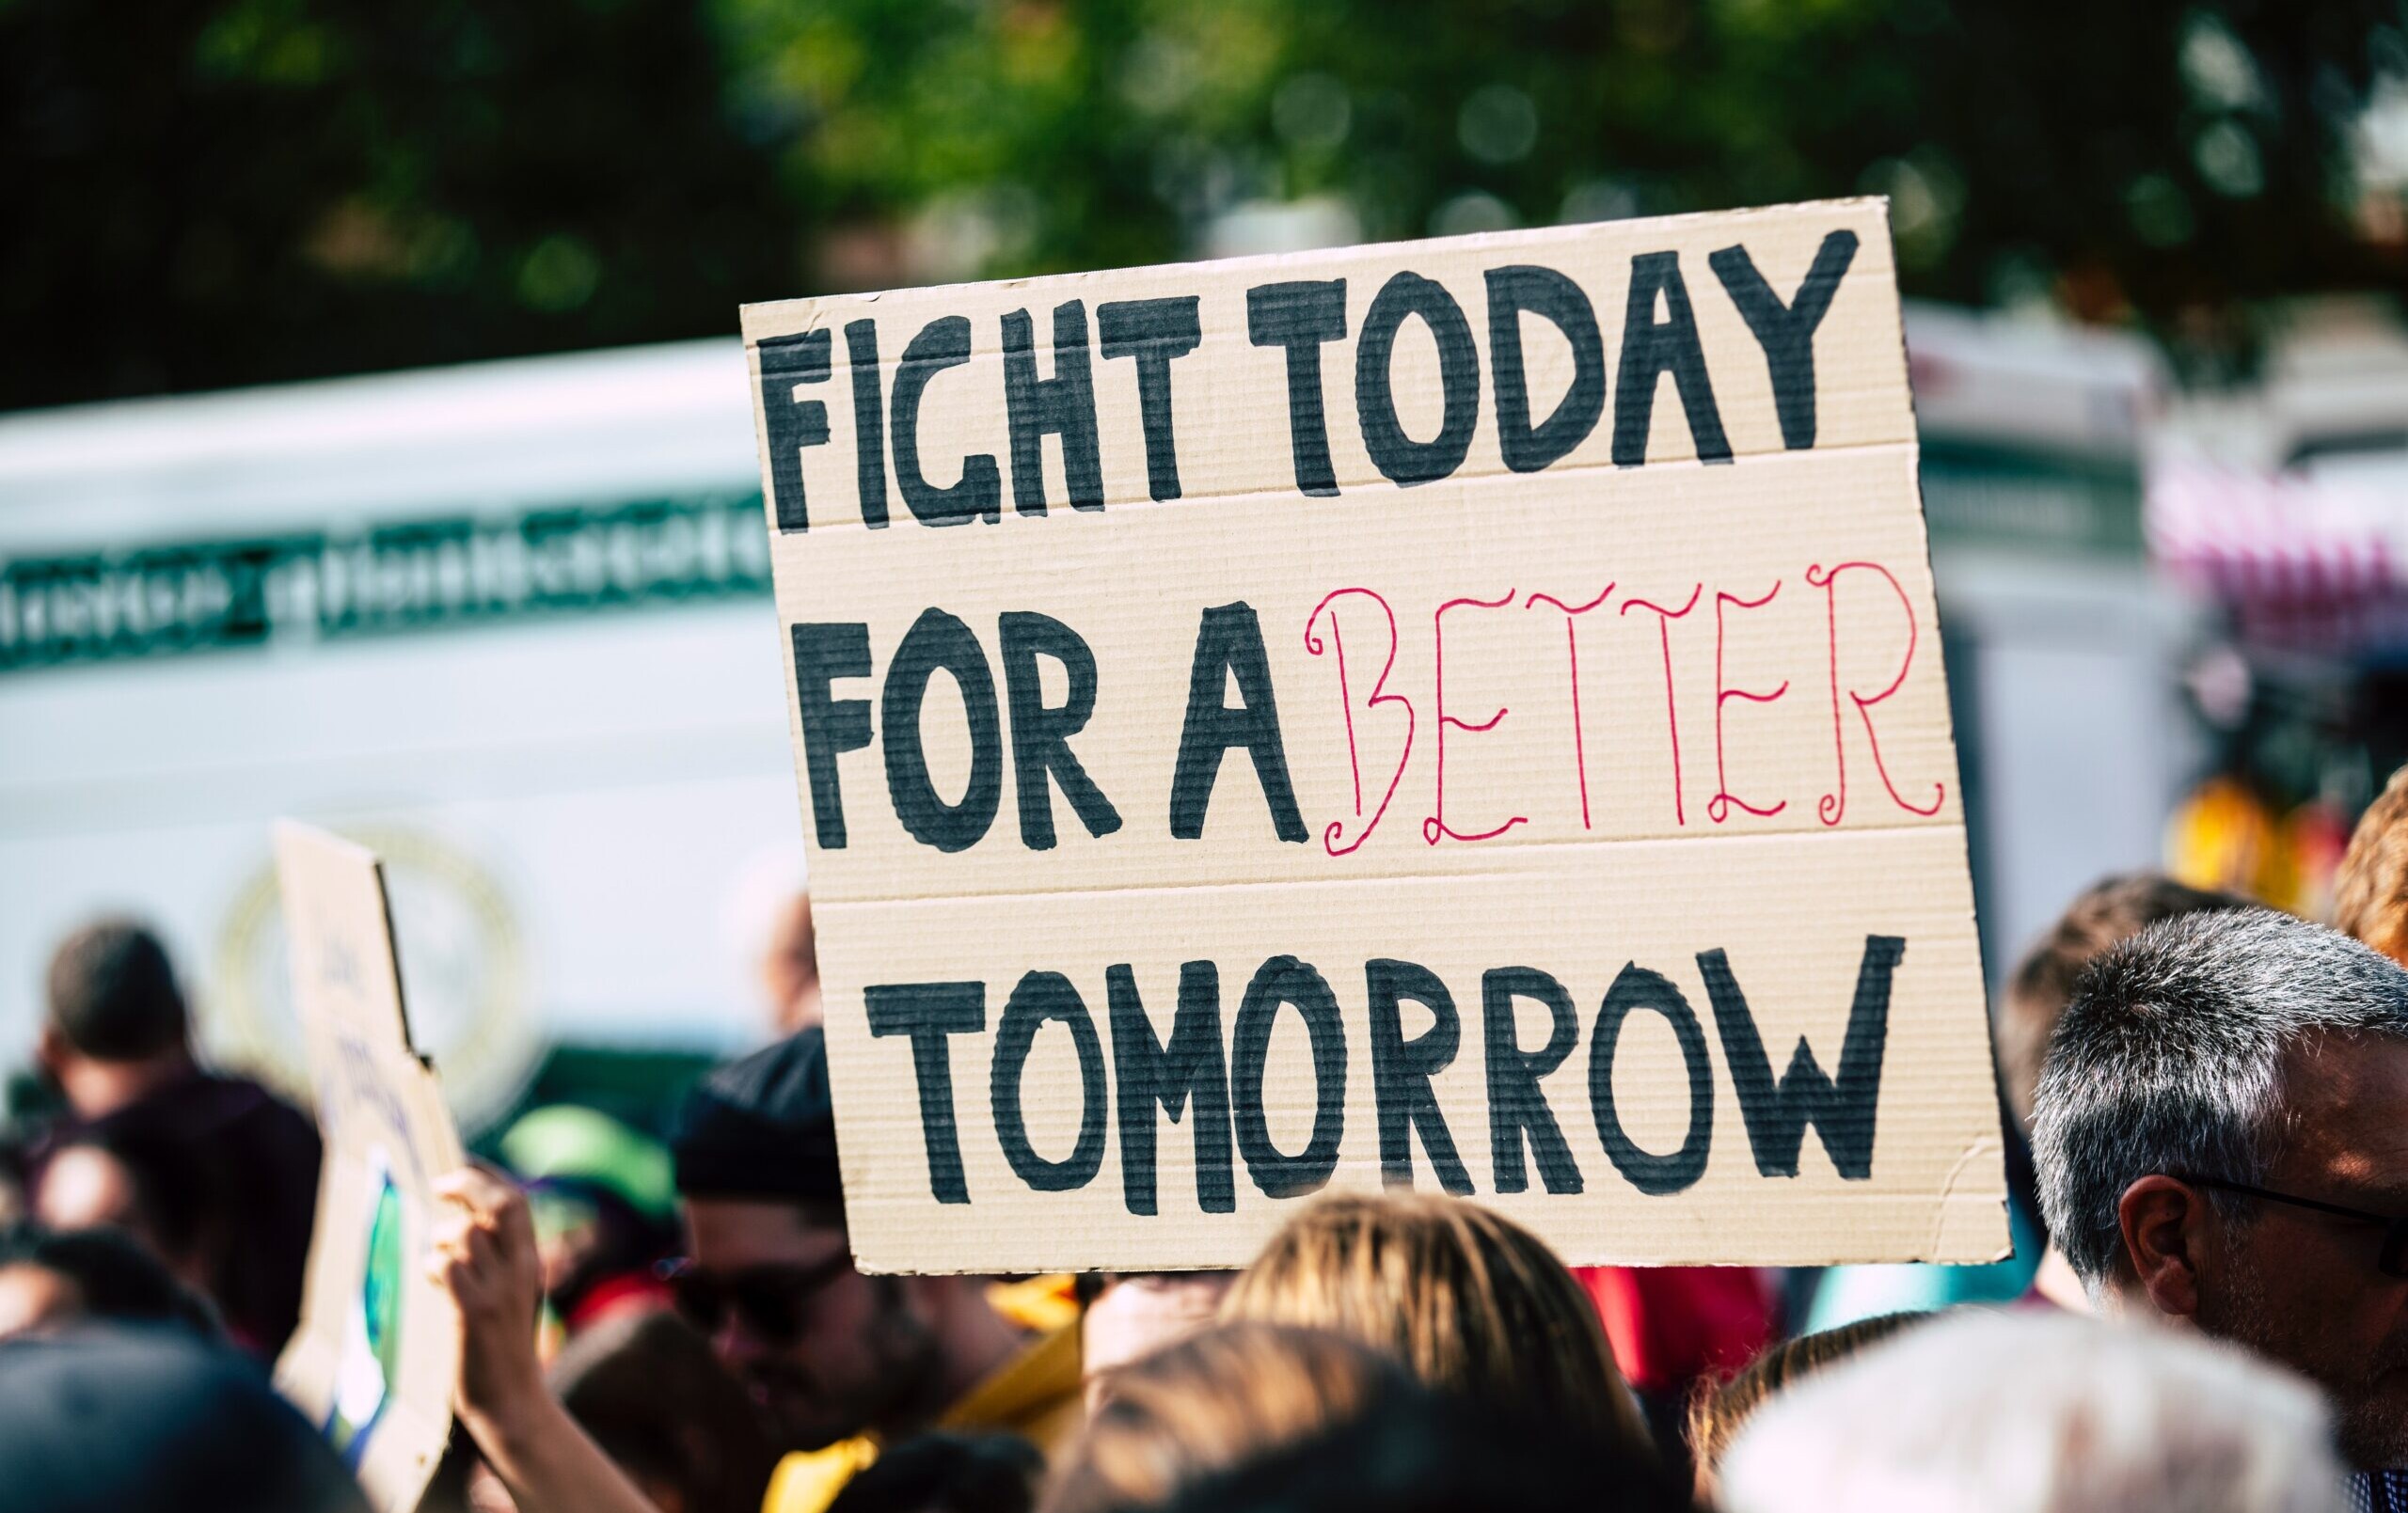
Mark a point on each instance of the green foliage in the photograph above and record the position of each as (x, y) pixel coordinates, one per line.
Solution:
(231, 191)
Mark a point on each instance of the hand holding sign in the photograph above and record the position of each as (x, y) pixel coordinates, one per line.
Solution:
(485, 1258)
(484, 1254)
(1510, 756)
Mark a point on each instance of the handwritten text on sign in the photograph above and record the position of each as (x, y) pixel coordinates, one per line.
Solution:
(1467, 713)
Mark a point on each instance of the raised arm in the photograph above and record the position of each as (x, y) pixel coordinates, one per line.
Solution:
(484, 1253)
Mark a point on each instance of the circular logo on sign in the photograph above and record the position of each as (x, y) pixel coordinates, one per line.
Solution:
(463, 978)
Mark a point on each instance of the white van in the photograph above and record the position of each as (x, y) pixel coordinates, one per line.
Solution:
(511, 624)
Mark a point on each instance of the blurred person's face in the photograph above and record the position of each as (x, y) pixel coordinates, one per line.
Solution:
(86, 1188)
(2303, 1287)
(791, 970)
(1135, 1315)
(826, 1352)
(34, 1298)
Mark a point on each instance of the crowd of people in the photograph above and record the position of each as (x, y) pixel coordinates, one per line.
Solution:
(2206, 1108)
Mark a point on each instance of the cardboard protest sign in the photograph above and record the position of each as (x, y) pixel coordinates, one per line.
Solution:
(1466, 714)
(377, 1351)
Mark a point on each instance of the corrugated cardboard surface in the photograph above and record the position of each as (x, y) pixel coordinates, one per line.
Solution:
(379, 1110)
(1804, 680)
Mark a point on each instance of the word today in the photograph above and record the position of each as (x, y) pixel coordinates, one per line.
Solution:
(1301, 319)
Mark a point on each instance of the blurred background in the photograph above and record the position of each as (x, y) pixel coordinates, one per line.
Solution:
(378, 447)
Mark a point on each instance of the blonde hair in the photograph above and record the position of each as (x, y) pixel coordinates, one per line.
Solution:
(1210, 1402)
(1470, 1303)
(1719, 1411)
(2370, 892)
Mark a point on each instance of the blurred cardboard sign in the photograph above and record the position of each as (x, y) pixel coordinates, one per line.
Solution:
(377, 1352)
(1466, 714)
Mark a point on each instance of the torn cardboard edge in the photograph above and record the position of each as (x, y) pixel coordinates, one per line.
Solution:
(373, 1361)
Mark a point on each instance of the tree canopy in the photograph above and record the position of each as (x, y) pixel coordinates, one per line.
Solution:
(218, 192)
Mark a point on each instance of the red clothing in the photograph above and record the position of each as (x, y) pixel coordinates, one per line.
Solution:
(628, 1292)
(1671, 1324)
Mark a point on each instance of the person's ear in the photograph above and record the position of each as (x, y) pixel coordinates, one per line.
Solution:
(2165, 1228)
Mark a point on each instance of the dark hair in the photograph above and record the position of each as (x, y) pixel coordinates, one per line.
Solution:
(648, 1390)
(948, 1474)
(115, 1279)
(113, 994)
(1721, 1410)
(2112, 909)
(178, 1195)
(1429, 1453)
(763, 1126)
(104, 1419)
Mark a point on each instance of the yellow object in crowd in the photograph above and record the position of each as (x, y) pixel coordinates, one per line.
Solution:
(2221, 837)
(1035, 1394)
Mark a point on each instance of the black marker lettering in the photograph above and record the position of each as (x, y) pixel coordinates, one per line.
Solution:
(1188, 1076)
(869, 421)
(1228, 641)
(1651, 349)
(1841, 1109)
(1517, 1107)
(1041, 736)
(1786, 332)
(824, 652)
(927, 1012)
(1635, 988)
(1156, 332)
(791, 424)
(937, 639)
(1404, 460)
(1063, 405)
(942, 343)
(1402, 1069)
(1284, 980)
(1302, 317)
(1040, 998)
(1551, 297)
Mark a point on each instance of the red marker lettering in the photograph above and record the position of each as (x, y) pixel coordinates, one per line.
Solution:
(1671, 711)
(1435, 827)
(1335, 833)
(1572, 647)
(1717, 809)
(1834, 805)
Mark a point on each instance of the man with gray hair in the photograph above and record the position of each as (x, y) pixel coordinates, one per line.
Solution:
(2220, 1134)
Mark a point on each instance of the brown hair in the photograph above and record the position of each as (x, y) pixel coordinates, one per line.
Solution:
(1469, 1301)
(2370, 893)
(1719, 1410)
(2109, 912)
(113, 994)
(648, 1390)
(1210, 1402)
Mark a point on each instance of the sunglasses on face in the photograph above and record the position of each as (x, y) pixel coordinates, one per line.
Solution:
(2392, 1260)
(770, 1302)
